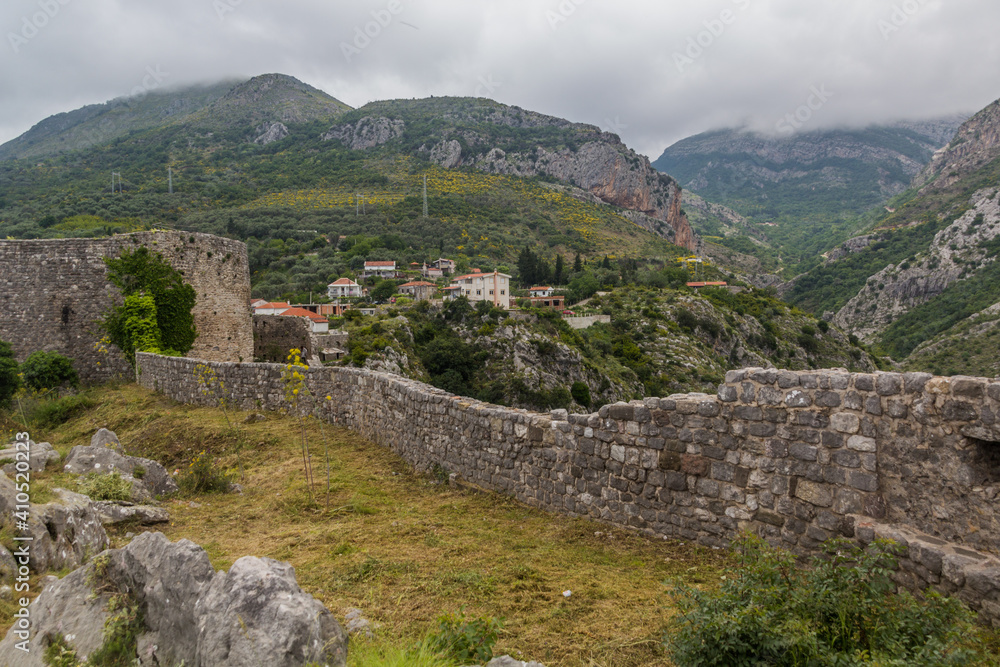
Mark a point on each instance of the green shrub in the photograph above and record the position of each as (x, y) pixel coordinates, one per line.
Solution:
(53, 413)
(106, 487)
(48, 370)
(10, 382)
(466, 639)
(808, 343)
(581, 393)
(121, 633)
(59, 653)
(205, 476)
(842, 611)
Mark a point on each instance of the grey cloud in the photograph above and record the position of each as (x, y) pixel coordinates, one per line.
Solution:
(656, 72)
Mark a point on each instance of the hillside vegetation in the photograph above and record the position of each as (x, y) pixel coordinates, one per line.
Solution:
(807, 192)
(924, 278)
(662, 338)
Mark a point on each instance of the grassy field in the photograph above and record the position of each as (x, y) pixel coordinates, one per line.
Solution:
(399, 545)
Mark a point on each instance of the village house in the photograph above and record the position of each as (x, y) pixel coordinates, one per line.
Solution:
(419, 290)
(493, 287)
(451, 292)
(445, 266)
(271, 308)
(380, 269)
(320, 324)
(556, 302)
(343, 288)
(541, 291)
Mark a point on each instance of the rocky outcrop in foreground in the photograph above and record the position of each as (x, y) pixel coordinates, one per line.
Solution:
(254, 614)
(105, 455)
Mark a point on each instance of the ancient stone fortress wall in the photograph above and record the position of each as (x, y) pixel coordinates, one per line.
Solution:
(798, 457)
(53, 292)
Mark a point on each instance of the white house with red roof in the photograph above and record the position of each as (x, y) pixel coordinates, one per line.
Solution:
(320, 324)
(271, 308)
(343, 288)
(493, 287)
(382, 269)
(541, 291)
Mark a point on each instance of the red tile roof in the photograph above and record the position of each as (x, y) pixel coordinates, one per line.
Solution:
(275, 305)
(343, 281)
(539, 289)
(380, 263)
(418, 283)
(302, 312)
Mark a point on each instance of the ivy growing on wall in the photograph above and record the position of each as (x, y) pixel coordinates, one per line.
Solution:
(156, 315)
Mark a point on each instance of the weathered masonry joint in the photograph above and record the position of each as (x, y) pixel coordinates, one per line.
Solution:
(798, 457)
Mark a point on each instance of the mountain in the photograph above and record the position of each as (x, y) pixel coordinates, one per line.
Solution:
(926, 275)
(291, 170)
(975, 145)
(494, 138)
(806, 187)
(255, 105)
(100, 123)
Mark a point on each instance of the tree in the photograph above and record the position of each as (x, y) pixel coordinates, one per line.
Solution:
(557, 277)
(48, 370)
(140, 273)
(577, 264)
(384, 290)
(9, 380)
(527, 266)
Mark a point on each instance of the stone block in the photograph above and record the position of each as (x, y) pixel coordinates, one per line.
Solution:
(845, 422)
(862, 481)
(959, 411)
(968, 387)
(846, 458)
(735, 377)
(798, 399)
(819, 495)
(770, 518)
(802, 451)
(695, 465)
(709, 409)
(896, 409)
(914, 383)
(888, 384)
(621, 412)
(864, 382)
(828, 399)
(727, 394)
(860, 443)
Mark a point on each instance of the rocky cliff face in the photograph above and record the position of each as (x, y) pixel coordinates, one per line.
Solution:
(975, 144)
(955, 253)
(500, 139)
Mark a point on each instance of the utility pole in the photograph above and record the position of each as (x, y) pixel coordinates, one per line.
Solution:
(425, 195)
(117, 175)
(170, 180)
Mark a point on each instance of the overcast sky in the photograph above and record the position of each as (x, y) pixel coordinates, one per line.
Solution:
(654, 72)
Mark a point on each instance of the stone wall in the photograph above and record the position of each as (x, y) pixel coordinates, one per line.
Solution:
(274, 336)
(53, 292)
(798, 457)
